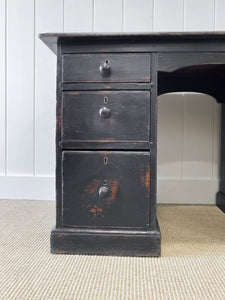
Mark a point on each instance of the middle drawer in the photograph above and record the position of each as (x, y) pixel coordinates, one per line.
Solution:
(115, 116)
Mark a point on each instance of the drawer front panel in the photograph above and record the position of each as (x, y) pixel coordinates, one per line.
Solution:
(109, 189)
(106, 116)
(106, 68)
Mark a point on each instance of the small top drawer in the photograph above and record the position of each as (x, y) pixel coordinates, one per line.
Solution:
(106, 68)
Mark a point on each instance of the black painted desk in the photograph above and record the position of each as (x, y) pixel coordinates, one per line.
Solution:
(106, 141)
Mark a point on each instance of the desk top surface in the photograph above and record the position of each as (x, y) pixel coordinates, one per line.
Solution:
(51, 39)
(148, 35)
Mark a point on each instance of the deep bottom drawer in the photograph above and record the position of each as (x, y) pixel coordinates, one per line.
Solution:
(106, 188)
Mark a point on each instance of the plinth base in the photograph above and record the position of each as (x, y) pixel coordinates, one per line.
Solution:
(106, 242)
(220, 201)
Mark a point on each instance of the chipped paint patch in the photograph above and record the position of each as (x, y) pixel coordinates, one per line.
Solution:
(95, 210)
(145, 177)
(114, 186)
(95, 205)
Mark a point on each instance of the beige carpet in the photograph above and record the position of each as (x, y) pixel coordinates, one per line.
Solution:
(192, 265)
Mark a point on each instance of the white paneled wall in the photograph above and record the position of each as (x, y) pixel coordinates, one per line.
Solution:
(188, 126)
(2, 86)
(20, 88)
(170, 15)
(138, 15)
(48, 18)
(188, 148)
(108, 15)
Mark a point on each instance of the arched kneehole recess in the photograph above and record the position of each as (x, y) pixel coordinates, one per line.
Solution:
(189, 132)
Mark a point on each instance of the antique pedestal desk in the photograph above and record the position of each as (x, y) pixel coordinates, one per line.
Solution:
(106, 132)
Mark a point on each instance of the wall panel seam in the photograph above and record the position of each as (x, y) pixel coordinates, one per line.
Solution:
(63, 12)
(34, 92)
(153, 15)
(93, 15)
(214, 15)
(123, 25)
(6, 27)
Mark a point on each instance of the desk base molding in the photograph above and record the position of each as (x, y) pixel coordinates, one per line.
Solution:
(220, 201)
(115, 242)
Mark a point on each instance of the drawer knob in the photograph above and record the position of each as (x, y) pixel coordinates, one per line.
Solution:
(104, 112)
(105, 68)
(103, 191)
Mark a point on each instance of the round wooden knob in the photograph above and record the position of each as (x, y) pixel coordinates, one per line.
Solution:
(105, 112)
(105, 69)
(103, 191)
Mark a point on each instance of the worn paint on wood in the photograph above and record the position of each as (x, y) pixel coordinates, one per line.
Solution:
(101, 188)
(84, 175)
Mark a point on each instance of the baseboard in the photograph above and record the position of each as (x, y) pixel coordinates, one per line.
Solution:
(197, 191)
(169, 191)
(27, 188)
(220, 201)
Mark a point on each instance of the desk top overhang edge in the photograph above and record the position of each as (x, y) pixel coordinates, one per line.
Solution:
(52, 39)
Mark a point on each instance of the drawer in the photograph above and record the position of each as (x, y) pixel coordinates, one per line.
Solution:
(106, 188)
(106, 116)
(106, 68)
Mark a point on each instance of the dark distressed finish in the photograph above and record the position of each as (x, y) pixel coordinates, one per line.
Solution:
(106, 242)
(220, 201)
(106, 144)
(192, 72)
(106, 132)
(113, 116)
(77, 86)
(109, 189)
(135, 42)
(106, 68)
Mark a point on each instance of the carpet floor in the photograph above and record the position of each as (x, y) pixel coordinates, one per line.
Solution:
(192, 265)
